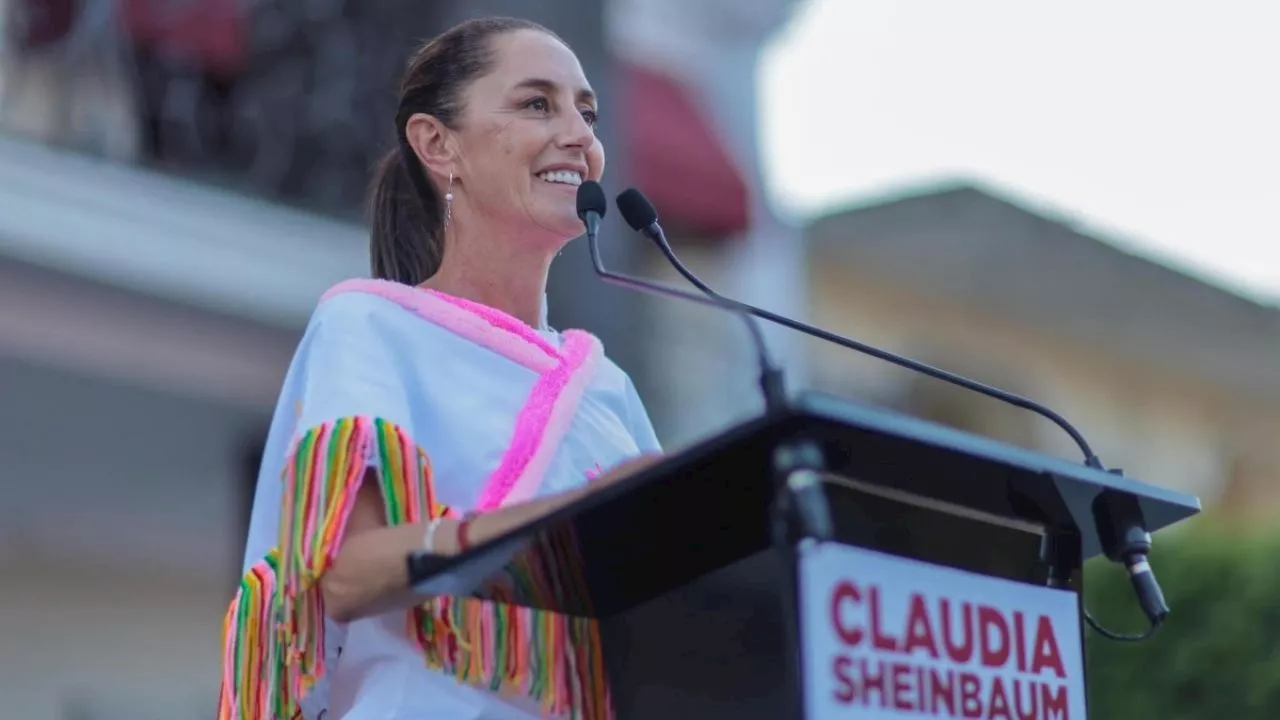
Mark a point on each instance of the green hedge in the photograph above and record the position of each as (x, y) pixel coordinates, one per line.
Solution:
(1218, 655)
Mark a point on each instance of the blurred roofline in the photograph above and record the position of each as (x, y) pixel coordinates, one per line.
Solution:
(943, 186)
(969, 246)
(170, 237)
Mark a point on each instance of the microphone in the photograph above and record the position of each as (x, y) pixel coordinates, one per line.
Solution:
(643, 218)
(1119, 522)
(803, 485)
(592, 206)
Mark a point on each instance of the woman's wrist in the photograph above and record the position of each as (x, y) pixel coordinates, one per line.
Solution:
(446, 538)
(456, 536)
(462, 537)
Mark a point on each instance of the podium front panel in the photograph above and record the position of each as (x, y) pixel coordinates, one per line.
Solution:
(885, 638)
(711, 649)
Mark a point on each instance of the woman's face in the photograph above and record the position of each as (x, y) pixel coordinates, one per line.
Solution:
(527, 137)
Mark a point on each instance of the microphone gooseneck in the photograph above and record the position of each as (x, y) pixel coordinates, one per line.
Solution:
(643, 218)
(592, 206)
(1117, 517)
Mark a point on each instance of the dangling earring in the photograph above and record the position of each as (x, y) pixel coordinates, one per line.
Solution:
(448, 201)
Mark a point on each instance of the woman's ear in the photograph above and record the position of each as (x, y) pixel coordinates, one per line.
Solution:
(433, 143)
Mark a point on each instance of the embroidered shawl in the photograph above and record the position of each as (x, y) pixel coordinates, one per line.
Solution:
(417, 386)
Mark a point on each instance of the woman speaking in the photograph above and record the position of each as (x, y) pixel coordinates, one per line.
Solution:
(432, 408)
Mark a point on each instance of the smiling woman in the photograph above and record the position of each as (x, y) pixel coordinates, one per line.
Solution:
(432, 408)
(493, 144)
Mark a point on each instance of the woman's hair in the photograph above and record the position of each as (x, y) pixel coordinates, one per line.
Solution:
(406, 239)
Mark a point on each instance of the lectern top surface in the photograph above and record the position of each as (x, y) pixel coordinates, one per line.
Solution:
(1174, 506)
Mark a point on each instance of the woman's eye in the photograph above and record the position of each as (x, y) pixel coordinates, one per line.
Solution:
(591, 117)
(540, 104)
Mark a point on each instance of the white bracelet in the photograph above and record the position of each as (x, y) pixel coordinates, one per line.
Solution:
(429, 537)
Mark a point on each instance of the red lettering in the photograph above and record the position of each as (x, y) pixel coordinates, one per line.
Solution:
(881, 641)
(1020, 640)
(970, 696)
(921, 697)
(975, 635)
(995, 651)
(845, 593)
(845, 690)
(1029, 711)
(873, 682)
(959, 653)
(1054, 702)
(901, 687)
(1046, 653)
(919, 630)
(998, 702)
(943, 692)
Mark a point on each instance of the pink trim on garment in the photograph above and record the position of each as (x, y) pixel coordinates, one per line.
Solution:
(542, 424)
(517, 341)
(565, 375)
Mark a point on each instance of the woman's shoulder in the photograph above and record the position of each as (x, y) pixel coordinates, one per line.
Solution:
(415, 325)
(379, 311)
(356, 300)
(360, 300)
(371, 325)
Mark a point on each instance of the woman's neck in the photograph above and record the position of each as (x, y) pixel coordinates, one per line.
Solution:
(516, 285)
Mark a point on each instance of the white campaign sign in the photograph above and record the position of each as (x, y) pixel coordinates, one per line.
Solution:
(885, 637)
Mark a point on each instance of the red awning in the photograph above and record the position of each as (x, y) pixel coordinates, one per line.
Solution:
(676, 157)
(210, 33)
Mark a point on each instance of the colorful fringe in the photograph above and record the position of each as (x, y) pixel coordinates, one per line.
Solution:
(250, 663)
(274, 629)
(519, 651)
(275, 649)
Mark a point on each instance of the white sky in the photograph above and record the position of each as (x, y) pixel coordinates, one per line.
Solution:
(1155, 122)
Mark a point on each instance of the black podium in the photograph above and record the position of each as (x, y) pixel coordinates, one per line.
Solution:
(696, 568)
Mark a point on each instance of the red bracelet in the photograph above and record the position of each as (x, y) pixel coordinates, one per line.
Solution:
(464, 542)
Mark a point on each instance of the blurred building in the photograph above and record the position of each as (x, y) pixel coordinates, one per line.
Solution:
(1172, 379)
(145, 325)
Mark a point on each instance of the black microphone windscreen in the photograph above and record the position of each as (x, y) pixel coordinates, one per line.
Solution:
(636, 209)
(591, 199)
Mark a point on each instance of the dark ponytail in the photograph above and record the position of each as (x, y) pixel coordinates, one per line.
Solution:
(406, 240)
(406, 237)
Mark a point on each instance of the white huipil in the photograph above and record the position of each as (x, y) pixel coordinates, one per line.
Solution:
(457, 407)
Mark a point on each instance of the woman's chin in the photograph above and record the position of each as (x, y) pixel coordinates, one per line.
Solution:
(561, 222)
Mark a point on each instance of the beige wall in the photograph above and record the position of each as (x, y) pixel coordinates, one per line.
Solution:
(1177, 432)
(80, 643)
(122, 504)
